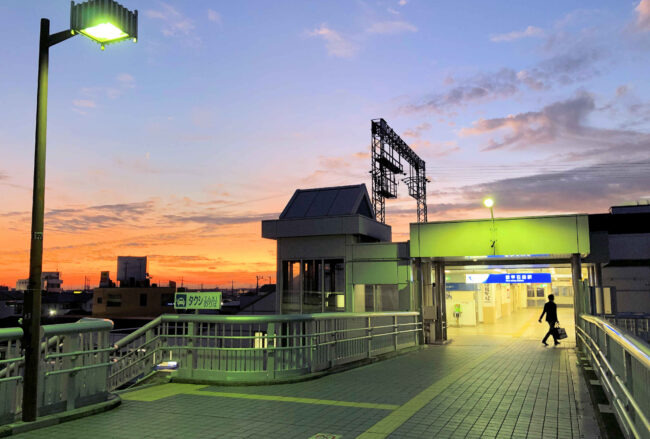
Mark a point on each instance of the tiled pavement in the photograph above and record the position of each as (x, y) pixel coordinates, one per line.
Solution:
(501, 385)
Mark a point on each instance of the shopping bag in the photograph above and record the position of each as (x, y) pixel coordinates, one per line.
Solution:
(560, 333)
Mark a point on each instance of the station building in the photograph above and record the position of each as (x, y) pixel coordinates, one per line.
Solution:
(333, 256)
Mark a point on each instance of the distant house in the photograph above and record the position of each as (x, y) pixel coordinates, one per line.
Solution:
(51, 282)
(133, 302)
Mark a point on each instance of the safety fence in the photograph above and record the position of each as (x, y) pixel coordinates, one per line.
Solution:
(638, 325)
(73, 367)
(259, 348)
(80, 366)
(622, 363)
(11, 379)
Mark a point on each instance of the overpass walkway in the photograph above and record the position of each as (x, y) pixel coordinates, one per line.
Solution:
(494, 381)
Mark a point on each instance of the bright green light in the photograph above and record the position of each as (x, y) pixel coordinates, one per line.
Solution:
(104, 32)
(489, 202)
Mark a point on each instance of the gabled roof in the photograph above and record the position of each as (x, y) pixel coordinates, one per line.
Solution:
(329, 201)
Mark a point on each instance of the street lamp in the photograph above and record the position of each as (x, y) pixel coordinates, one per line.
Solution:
(104, 21)
(489, 203)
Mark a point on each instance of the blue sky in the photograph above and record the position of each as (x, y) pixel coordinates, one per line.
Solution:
(222, 109)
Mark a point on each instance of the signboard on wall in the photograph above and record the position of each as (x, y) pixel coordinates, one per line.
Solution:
(211, 300)
(505, 278)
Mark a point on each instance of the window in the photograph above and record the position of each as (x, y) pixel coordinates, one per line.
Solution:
(389, 298)
(312, 286)
(143, 300)
(381, 298)
(114, 300)
(291, 287)
(370, 298)
(312, 299)
(334, 278)
(99, 300)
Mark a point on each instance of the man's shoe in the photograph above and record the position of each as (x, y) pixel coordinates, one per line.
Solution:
(557, 343)
(544, 343)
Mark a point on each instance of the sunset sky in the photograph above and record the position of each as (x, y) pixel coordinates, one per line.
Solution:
(176, 147)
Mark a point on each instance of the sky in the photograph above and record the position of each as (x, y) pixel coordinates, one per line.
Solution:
(177, 146)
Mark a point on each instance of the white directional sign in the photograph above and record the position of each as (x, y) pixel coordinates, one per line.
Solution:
(207, 300)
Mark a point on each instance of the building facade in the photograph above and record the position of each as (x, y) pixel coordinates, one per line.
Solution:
(333, 256)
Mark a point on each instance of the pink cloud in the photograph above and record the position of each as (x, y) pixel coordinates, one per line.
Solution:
(643, 15)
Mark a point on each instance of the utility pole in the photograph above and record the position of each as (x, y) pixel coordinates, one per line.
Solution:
(257, 288)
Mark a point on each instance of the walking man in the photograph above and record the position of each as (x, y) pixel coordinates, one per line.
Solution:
(550, 309)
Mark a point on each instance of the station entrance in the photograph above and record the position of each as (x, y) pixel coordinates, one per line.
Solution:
(485, 273)
(506, 299)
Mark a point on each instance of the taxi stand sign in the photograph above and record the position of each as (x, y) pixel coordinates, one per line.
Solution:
(190, 301)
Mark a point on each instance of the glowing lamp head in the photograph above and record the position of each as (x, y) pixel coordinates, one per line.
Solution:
(104, 33)
(104, 21)
(489, 202)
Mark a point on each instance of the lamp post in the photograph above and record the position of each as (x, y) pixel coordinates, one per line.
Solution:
(489, 203)
(104, 21)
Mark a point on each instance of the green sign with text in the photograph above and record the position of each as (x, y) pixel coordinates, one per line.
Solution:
(211, 300)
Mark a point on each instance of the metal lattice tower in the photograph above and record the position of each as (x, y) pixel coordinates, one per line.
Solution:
(387, 151)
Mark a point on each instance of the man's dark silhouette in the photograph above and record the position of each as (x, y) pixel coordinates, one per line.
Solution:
(550, 309)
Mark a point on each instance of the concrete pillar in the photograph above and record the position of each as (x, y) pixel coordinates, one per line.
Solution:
(598, 271)
(580, 303)
(440, 302)
(427, 301)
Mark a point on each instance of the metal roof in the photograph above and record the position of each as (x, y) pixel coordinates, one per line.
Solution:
(329, 201)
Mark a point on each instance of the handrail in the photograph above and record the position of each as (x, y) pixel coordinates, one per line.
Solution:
(629, 342)
(211, 318)
(137, 333)
(10, 333)
(591, 331)
(214, 318)
(351, 336)
(77, 327)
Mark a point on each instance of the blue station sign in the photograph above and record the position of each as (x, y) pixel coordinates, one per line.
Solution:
(505, 278)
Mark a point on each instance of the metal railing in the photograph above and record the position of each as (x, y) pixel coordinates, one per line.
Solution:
(259, 348)
(638, 325)
(622, 363)
(73, 367)
(11, 379)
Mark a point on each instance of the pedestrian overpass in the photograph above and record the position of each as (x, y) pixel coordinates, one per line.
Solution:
(490, 381)
(480, 385)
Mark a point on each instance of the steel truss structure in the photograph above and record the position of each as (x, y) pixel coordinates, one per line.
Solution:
(387, 151)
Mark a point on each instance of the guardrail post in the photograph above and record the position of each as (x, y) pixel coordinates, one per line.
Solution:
(148, 336)
(312, 345)
(395, 333)
(189, 364)
(270, 353)
(71, 344)
(369, 335)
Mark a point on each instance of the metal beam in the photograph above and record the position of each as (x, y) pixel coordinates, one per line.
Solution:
(388, 149)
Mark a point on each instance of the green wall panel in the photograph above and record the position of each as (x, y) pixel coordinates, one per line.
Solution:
(376, 272)
(552, 235)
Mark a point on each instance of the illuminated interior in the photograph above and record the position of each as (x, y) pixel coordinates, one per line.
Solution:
(483, 295)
